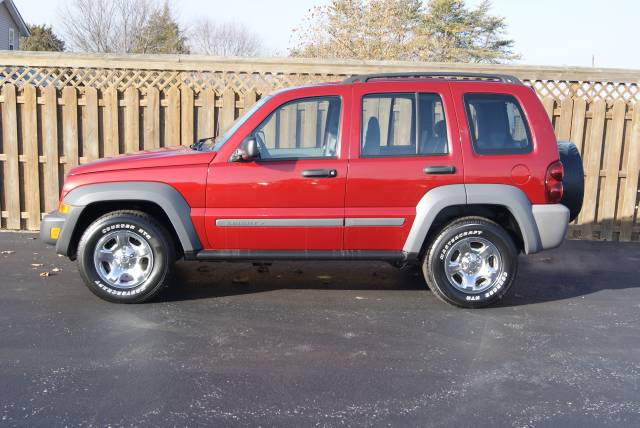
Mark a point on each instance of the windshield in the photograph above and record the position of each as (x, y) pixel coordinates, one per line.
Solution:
(216, 144)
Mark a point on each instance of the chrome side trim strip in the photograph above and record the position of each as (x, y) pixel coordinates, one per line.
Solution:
(280, 222)
(309, 222)
(373, 221)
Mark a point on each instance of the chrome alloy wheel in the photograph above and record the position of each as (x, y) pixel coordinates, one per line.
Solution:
(123, 259)
(473, 265)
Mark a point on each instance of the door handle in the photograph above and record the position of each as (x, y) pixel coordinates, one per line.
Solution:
(440, 169)
(317, 173)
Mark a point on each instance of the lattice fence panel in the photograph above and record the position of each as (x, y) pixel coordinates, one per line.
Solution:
(200, 80)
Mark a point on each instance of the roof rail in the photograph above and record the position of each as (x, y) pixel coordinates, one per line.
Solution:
(505, 78)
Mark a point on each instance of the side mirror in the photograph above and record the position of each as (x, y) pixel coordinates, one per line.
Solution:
(247, 151)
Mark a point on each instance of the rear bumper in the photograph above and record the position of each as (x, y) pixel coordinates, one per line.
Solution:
(552, 222)
(49, 223)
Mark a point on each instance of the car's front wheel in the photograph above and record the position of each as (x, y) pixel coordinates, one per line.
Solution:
(125, 257)
(471, 263)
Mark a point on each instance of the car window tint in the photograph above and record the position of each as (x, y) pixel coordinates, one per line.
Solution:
(433, 136)
(389, 123)
(497, 124)
(306, 128)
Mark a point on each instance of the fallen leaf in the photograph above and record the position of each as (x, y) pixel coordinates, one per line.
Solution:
(56, 270)
(6, 252)
(240, 280)
(44, 274)
(37, 264)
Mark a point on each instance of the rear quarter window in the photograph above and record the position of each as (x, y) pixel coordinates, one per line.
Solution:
(497, 124)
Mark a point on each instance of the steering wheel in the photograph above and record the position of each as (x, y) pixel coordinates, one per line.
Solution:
(264, 152)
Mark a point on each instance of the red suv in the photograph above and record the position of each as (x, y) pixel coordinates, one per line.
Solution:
(456, 173)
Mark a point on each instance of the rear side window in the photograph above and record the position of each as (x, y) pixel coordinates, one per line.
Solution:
(406, 124)
(497, 124)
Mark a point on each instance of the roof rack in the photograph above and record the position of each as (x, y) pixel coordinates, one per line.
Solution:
(505, 78)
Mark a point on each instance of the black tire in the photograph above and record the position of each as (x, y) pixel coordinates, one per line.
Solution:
(433, 265)
(573, 180)
(147, 229)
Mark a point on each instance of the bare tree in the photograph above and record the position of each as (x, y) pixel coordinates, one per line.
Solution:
(435, 30)
(224, 39)
(111, 26)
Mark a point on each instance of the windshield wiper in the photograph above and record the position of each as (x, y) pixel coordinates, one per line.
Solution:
(198, 144)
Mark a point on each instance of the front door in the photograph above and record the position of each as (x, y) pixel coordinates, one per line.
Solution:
(292, 198)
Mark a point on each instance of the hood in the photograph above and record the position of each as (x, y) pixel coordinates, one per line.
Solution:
(164, 157)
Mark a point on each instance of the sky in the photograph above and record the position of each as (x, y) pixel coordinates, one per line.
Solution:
(546, 32)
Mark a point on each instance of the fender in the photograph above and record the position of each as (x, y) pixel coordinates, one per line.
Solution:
(442, 197)
(434, 201)
(161, 194)
(518, 205)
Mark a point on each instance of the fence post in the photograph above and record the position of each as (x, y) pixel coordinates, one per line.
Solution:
(250, 98)
(186, 116)
(90, 125)
(227, 113)
(132, 120)
(564, 121)
(152, 120)
(173, 117)
(70, 127)
(613, 150)
(32, 164)
(630, 191)
(577, 123)
(111, 127)
(592, 168)
(50, 142)
(10, 143)
(208, 114)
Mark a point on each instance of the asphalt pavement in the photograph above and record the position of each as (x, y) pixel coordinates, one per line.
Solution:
(321, 344)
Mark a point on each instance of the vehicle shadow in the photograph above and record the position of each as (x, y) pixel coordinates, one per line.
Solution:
(576, 269)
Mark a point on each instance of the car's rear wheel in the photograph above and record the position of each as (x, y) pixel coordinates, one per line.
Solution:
(471, 263)
(125, 257)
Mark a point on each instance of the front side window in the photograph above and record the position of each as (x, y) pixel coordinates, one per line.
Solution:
(497, 124)
(403, 125)
(306, 128)
(12, 39)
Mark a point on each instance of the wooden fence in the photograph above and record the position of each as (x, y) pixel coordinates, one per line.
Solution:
(60, 110)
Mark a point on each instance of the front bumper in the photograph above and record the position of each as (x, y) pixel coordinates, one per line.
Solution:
(552, 221)
(50, 223)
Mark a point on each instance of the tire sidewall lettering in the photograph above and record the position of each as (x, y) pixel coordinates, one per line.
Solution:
(127, 226)
(438, 258)
(145, 232)
(457, 237)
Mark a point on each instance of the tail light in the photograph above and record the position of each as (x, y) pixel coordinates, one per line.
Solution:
(553, 182)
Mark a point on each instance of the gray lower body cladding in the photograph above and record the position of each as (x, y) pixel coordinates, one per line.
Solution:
(163, 195)
(539, 232)
(542, 226)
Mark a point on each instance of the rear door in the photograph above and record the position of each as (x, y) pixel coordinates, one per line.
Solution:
(502, 131)
(404, 142)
